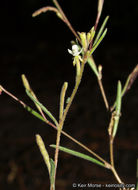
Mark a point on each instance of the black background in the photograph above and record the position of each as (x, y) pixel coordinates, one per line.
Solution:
(38, 47)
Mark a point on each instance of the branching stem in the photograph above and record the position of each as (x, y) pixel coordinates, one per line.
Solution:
(61, 122)
(66, 20)
(107, 165)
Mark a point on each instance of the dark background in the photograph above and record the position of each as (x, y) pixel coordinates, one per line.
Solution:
(38, 47)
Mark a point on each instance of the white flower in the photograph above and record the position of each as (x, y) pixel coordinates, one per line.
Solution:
(75, 50)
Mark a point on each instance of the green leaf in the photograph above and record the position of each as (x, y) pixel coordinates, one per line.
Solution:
(99, 41)
(33, 112)
(42, 107)
(101, 30)
(93, 65)
(118, 108)
(78, 154)
(52, 175)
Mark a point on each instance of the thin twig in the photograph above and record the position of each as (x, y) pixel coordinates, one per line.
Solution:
(103, 94)
(66, 20)
(11, 95)
(111, 151)
(111, 139)
(116, 175)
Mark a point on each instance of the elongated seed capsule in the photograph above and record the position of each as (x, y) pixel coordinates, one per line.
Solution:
(62, 99)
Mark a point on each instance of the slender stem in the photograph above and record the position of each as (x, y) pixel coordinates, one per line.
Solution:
(111, 139)
(103, 94)
(116, 175)
(87, 149)
(66, 20)
(111, 152)
(59, 128)
(11, 95)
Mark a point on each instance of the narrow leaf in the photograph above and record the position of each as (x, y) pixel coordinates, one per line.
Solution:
(99, 41)
(44, 152)
(42, 107)
(118, 108)
(93, 65)
(78, 154)
(33, 112)
(62, 99)
(52, 174)
(101, 30)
